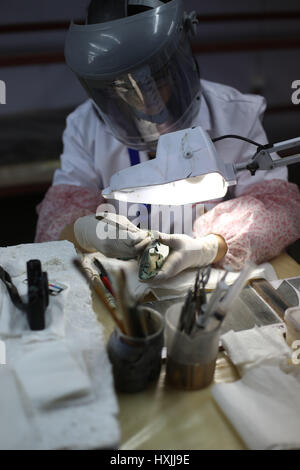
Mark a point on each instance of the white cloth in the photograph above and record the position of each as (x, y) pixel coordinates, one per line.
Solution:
(50, 375)
(256, 345)
(264, 405)
(17, 429)
(92, 155)
(292, 321)
(90, 420)
(170, 288)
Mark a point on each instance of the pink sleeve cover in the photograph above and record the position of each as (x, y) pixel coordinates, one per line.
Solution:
(257, 225)
(62, 205)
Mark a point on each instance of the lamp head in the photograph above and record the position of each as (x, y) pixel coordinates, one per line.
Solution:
(187, 169)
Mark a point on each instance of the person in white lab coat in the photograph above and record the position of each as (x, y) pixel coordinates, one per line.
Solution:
(121, 122)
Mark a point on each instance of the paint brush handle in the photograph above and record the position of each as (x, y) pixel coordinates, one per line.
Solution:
(115, 223)
(98, 288)
(104, 276)
(96, 284)
(130, 313)
(107, 284)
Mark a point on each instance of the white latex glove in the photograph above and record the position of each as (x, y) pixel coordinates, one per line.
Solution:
(186, 252)
(114, 236)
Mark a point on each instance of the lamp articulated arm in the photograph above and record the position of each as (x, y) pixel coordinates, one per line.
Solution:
(262, 160)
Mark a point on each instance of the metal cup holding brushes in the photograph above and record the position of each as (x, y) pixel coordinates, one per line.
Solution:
(136, 354)
(192, 350)
(191, 359)
(193, 330)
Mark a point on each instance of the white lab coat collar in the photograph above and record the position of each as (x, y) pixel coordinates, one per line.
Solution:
(203, 117)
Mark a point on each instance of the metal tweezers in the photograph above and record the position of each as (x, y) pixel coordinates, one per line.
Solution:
(195, 300)
(199, 289)
(214, 301)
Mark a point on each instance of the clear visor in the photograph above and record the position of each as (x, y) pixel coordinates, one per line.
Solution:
(157, 98)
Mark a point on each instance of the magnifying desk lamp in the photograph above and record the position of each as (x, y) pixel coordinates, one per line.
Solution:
(188, 169)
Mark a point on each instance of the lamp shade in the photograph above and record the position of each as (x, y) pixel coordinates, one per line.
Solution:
(186, 169)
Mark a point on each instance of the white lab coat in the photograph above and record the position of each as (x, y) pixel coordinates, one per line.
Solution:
(92, 154)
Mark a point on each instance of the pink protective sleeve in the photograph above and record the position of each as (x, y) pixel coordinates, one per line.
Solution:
(62, 205)
(257, 225)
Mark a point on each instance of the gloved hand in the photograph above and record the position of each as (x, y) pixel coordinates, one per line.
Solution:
(186, 252)
(113, 235)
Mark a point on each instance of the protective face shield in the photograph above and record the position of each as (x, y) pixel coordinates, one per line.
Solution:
(138, 68)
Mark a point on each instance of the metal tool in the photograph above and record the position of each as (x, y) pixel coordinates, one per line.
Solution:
(195, 302)
(200, 289)
(214, 300)
(220, 307)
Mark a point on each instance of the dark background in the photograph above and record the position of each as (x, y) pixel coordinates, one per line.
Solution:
(251, 45)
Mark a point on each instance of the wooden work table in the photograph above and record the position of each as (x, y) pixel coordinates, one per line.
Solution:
(168, 419)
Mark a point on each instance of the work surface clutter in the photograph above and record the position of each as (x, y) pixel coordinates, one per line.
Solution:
(264, 405)
(57, 387)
